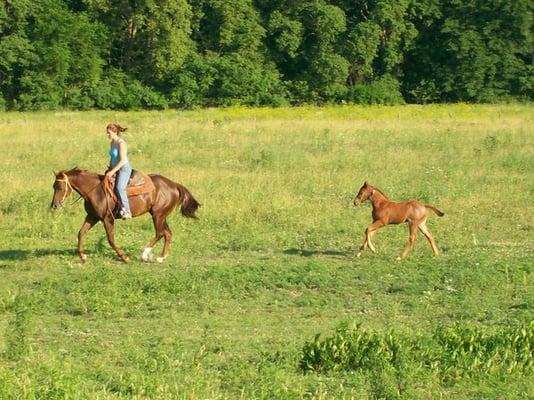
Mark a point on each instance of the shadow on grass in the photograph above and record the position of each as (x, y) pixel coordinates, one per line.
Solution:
(15, 254)
(18, 255)
(311, 253)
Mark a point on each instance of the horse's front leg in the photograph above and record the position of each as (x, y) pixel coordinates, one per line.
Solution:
(362, 247)
(369, 232)
(109, 225)
(89, 222)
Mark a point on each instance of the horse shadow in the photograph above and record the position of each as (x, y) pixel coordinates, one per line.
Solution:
(316, 253)
(21, 255)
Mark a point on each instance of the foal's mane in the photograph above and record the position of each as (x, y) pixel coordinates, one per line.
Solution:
(380, 191)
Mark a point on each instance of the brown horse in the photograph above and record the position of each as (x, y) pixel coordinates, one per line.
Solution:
(99, 206)
(387, 212)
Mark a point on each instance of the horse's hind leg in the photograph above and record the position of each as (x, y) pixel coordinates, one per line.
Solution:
(423, 228)
(109, 226)
(162, 231)
(167, 237)
(411, 240)
(89, 222)
(147, 251)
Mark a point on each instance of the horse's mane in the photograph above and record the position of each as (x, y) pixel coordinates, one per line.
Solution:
(75, 171)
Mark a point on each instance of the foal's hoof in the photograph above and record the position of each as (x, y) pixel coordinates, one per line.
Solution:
(83, 258)
(160, 259)
(399, 258)
(125, 259)
(359, 254)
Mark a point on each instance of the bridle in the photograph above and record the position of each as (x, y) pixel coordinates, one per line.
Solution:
(68, 187)
(105, 184)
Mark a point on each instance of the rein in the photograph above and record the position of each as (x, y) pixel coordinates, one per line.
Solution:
(108, 193)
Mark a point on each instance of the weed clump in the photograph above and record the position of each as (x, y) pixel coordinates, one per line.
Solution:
(450, 353)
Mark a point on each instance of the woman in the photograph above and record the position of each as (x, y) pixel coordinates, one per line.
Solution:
(119, 163)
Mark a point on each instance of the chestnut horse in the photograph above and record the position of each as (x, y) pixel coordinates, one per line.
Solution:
(387, 212)
(99, 206)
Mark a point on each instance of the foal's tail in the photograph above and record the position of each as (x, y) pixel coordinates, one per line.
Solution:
(438, 213)
(189, 203)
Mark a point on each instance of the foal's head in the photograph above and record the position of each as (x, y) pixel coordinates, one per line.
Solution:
(62, 189)
(364, 193)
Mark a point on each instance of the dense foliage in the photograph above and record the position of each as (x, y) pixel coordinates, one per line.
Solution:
(125, 54)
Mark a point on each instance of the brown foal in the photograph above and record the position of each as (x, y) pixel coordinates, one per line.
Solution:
(387, 212)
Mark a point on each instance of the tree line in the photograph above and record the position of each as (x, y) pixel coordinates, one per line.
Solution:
(153, 54)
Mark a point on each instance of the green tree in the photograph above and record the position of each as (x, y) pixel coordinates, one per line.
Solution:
(475, 51)
(230, 66)
(150, 39)
(15, 48)
(66, 58)
(303, 41)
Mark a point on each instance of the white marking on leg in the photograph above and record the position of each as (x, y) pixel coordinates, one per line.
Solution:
(160, 259)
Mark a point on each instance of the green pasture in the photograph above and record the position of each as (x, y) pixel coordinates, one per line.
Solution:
(234, 311)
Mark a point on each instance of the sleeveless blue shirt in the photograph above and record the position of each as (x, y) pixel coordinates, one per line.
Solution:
(114, 153)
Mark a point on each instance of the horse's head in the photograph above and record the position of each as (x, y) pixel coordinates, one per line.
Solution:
(364, 193)
(62, 189)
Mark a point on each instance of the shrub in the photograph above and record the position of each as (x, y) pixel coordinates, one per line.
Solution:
(385, 90)
(118, 91)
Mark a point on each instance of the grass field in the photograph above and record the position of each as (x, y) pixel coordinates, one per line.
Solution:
(234, 311)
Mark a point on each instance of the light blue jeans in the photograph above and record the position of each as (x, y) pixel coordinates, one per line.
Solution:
(121, 184)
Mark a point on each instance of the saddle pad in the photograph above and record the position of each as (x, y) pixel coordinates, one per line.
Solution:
(146, 187)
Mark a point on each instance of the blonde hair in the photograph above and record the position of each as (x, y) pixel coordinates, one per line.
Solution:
(116, 128)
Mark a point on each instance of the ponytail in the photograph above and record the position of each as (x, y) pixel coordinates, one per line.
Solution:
(116, 128)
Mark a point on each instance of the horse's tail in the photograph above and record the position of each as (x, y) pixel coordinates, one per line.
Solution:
(438, 213)
(189, 203)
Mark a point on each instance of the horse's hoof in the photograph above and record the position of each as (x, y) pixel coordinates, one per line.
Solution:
(125, 259)
(160, 259)
(147, 254)
(358, 255)
(83, 258)
(399, 258)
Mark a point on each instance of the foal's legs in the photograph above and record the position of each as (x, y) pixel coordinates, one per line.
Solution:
(109, 226)
(87, 225)
(423, 228)
(413, 235)
(369, 232)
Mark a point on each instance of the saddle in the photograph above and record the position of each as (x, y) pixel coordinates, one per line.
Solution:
(139, 183)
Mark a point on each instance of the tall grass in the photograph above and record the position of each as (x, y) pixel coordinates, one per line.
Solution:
(270, 264)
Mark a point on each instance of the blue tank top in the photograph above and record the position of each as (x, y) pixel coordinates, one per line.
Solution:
(114, 153)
